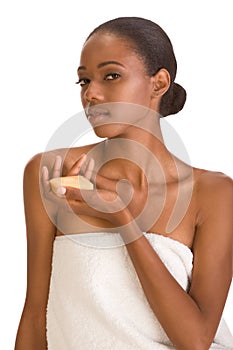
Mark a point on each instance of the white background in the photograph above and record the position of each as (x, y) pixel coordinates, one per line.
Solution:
(40, 46)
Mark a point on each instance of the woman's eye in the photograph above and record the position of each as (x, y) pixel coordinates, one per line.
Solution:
(83, 81)
(112, 76)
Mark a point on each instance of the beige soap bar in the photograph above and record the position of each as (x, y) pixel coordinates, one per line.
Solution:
(77, 181)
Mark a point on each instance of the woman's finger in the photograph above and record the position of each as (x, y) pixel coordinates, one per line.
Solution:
(77, 165)
(54, 199)
(73, 193)
(89, 169)
(122, 187)
(45, 179)
(99, 181)
(56, 172)
(98, 203)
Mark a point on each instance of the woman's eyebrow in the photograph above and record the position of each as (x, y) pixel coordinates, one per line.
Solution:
(102, 64)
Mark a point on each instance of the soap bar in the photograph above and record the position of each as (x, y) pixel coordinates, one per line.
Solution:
(77, 181)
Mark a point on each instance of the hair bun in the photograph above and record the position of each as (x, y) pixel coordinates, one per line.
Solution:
(173, 101)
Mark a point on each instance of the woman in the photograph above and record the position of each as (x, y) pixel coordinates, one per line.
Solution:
(167, 226)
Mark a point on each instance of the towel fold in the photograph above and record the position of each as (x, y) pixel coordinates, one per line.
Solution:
(96, 301)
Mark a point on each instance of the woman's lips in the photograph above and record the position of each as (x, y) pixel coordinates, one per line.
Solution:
(96, 114)
(96, 119)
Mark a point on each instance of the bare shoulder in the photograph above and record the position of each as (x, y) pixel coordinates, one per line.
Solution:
(68, 155)
(214, 192)
(213, 184)
(213, 177)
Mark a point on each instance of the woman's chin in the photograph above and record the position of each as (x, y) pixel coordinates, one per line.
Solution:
(108, 130)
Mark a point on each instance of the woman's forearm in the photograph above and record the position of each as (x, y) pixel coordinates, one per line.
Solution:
(31, 334)
(175, 309)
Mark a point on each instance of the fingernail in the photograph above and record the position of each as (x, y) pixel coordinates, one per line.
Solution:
(83, 158)
(44, 169)
(61, 190)
(58, 159)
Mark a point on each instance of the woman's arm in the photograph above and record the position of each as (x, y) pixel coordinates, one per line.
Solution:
(40, 236)
(191, 320)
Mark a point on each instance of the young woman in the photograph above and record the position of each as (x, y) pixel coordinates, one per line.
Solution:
(144, 259)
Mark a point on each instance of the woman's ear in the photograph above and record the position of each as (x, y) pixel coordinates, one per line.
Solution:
(160, 82)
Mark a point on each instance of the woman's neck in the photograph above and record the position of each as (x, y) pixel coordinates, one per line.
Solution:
(138, 152)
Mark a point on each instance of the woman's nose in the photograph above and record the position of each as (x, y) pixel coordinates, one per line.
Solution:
(93, 92)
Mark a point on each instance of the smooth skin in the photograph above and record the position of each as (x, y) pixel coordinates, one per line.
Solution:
(189, 319)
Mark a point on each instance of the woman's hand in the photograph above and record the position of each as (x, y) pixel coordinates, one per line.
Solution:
(108, 200)
(54, 202)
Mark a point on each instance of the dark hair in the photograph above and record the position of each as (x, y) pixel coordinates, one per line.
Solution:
(154, 47)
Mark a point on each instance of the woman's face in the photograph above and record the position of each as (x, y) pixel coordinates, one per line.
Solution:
(110, 71)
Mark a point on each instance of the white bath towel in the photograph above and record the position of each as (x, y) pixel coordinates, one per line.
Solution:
(96, 301)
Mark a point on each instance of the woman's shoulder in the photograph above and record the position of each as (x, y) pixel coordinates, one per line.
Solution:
(213, 187)
(68, 157)
(206, 179)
